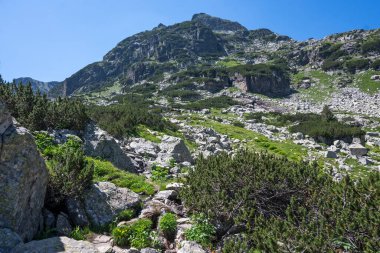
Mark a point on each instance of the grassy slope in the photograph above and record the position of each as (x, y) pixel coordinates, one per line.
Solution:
(322, 89)
(364, 83)
(105, 171)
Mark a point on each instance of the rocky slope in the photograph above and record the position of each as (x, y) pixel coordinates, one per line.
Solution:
(214, 42)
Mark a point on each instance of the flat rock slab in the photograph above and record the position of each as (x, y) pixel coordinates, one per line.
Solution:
(56, 245)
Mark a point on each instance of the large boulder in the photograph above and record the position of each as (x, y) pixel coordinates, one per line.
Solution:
(8, 240)
(104, 200)
(76, 212)
(56, 245)
(357, 149)
(23, 179)
(173, 148)
(98, 143)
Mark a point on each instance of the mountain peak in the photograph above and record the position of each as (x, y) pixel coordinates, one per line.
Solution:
(218, 24)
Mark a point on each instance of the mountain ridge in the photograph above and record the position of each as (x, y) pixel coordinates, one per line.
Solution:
(205, 40)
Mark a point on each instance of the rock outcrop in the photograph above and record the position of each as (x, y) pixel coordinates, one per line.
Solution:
(56, 245)
(99, 143)
(105, 200)
(23, 179)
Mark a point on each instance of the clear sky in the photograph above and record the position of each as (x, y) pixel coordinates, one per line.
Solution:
(50, 40)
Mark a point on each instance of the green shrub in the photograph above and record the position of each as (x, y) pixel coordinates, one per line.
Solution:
(238, 124)
(214, 102)
(69, 172)
(376, 64)
(45, 144)
(126, 116)
(159, 173)
(34, 111)
(371, 45)
(187, 95)
(168, 225)
(137, 235)
(356, 64)
(202, 231)
(126, 215)
(328, 49)
(80, 234)
(285, 206)
(329, 64)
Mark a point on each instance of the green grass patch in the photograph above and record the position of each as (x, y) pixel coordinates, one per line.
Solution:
(105, 171)
(323, 85)
(364, 83)
(145, 133)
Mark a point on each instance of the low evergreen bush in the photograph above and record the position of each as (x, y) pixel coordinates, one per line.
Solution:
(168, 225)
(284, 206)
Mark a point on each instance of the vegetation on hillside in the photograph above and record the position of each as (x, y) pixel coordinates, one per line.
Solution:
(127, 115)
(36, 112)
(268, 199)
(70, 173)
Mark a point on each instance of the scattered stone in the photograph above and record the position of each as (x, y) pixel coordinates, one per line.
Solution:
(167, 194)
(174, 186)
(148, 250)
(190, 247)
(365, 161)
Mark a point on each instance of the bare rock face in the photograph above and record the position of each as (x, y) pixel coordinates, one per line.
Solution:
(99, 143)
(105, 200)
(23, 179)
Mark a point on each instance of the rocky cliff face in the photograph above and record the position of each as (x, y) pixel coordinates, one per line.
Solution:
(206, 41)
(23, 179)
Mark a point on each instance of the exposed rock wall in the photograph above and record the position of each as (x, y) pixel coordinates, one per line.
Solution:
(23, 179)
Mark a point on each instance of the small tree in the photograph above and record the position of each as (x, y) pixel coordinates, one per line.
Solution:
(70, 173)
(327, 114)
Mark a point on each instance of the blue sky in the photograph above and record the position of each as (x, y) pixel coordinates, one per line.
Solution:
(52, 39)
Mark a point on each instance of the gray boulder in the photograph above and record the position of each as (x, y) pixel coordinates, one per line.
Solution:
(357, 149)
(190, 247)
(174, 148)
(8, 240)
(48, 218)
(76, 212)
(330, 154)
(104, 200)
(63, 225)
(56, 245)
(98, 143)
(23, 179)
